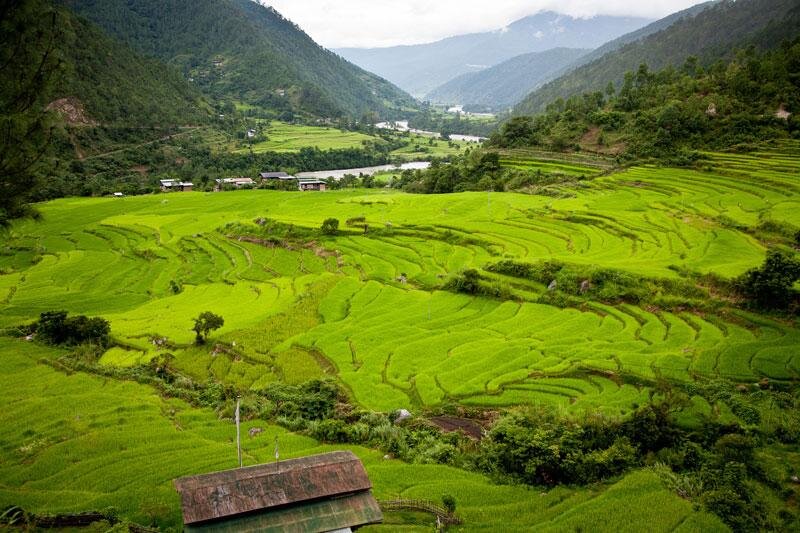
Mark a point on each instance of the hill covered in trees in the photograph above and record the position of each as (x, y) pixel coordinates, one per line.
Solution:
(708, 32)
(663, 114)
(500, 87)
(104, 82)
(242, 50)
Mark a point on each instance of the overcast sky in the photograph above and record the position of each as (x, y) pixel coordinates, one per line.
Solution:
(370, 23)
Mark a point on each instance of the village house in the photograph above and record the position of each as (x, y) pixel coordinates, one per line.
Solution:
(238, 183)
(311, 185)
(276, 176)
(316, 494)
(176, 185)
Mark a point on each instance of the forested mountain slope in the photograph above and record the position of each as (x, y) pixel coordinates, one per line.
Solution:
(245, 51)
(101, 81)
(499, 87)
(419, 69)
(673, 113)
(710, 34)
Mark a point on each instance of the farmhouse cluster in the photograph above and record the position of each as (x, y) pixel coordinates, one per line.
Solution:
(303, 184)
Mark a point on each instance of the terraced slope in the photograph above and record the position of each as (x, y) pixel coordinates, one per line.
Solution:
(90, 443)
(484, 352)
(336, 305)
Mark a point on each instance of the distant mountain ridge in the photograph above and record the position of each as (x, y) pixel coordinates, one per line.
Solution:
(500, 87)
(419, 69)
(246, 51)
(709, 31)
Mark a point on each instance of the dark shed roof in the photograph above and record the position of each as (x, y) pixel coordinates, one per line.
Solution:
(331, 490)
(273, 175)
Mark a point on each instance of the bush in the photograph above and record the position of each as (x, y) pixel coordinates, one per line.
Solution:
(330, 226)
(449, 503)
(204, 324)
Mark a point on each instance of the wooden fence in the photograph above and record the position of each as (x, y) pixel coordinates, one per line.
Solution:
(426, 506)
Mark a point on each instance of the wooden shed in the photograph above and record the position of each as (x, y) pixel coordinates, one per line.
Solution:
(320, 493)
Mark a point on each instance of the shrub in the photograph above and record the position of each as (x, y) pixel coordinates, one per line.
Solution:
(449, 503)
(330, 226)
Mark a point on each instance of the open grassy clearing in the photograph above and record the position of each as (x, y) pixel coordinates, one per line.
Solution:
(283, 137)
(84, 442)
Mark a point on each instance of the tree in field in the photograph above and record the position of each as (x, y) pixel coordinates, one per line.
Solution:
(204, 324)
(330, 226)
(28, 61)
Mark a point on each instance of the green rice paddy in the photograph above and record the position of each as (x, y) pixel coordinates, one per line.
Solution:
(80, 442)
(368, 309)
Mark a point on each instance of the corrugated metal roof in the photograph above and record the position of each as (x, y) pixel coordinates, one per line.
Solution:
(313, 517)
(257, 488)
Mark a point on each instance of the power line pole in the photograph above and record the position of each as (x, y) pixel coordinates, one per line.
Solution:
(238, 439)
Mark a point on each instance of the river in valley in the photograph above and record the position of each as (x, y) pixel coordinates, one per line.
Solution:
(365, 171)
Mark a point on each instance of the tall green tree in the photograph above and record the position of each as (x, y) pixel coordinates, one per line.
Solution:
(204, 324)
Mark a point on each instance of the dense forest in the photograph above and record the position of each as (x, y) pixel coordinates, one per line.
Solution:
(102, 81)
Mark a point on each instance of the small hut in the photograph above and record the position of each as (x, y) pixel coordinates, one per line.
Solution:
(316, 494)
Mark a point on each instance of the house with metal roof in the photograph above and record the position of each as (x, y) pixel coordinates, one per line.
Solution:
(176, 185)
(276, 176)
(316, 494)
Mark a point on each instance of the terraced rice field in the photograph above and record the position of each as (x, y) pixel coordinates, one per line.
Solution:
(567, 164)
(396, 344)
(420, 146)
(283, 137)
(91, 443)
(369, 309)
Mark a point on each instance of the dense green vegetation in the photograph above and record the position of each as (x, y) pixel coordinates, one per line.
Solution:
(28, 65)
(103, 81)
(710, 34)
(670, 113)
